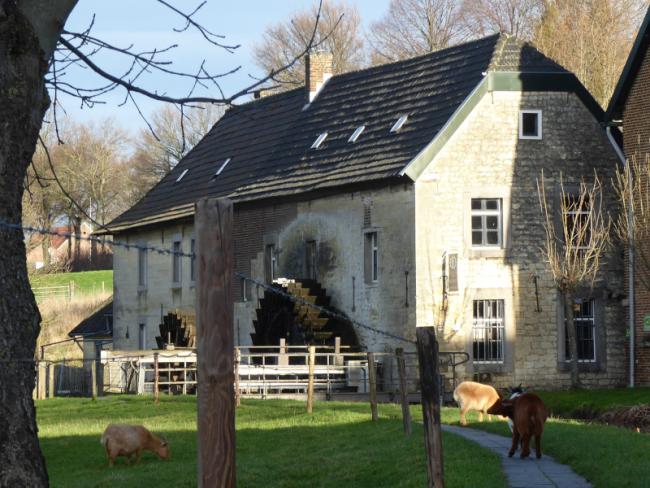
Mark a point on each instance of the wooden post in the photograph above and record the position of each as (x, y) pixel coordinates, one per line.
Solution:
(50, 380)
(338, 359)
(156, 373)
(372, 377)
(430, 386)
(403, 392)
(215, 347)
(310, 383)
(93, 379)
(237, 363)
(41, 379)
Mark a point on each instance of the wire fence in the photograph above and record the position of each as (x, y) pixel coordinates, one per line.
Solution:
(260, 284)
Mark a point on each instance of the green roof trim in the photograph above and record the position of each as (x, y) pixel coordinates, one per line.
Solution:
(501, 81)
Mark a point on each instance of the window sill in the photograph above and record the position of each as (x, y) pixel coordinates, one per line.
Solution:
(530, 138)
(176, 286)
(487, 252)
(489, 367)
(142, 288)
(371, 284)
(591, 367)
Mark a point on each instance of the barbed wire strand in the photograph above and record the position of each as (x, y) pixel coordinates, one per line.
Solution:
(276, 289)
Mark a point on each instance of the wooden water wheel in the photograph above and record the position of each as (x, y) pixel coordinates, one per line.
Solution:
(280, 318)
(177, 328)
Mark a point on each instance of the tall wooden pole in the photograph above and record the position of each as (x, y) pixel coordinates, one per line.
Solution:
(403, 393)
(372, 378)
(430, 388)
(213, 223)
(310, 380)
(156, 374)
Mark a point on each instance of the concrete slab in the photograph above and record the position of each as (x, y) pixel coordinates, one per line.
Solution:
(523, 473)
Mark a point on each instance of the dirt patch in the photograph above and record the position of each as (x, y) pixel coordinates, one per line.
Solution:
(635, 418)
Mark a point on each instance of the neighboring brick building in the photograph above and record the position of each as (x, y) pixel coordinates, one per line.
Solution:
(407, 191)
(630, 110)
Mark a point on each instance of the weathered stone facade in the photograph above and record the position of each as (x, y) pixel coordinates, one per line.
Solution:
(419, 225)
(486, 159)
(336, 224)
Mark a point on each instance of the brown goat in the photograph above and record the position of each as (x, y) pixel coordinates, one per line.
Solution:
(126, 440)
(528, 414)
(474, 396)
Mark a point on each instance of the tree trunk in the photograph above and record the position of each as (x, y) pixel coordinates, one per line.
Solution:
(573, 339)
(45, 248)
(77, 263)
(23, 103)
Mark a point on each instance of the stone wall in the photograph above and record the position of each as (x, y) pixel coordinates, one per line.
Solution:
(486, 159)
(337, 224)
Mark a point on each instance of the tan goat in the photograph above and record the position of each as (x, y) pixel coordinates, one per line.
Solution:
(126, 440)
(474, 396)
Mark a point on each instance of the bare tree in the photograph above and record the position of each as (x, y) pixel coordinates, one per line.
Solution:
(39, 55)
(415, 27)
(632, 225)
(338, 32)
(157, 151)
(516, 17)
(577, 238)
(590, 38)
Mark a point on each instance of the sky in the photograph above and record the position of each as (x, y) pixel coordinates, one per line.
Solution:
(146, 24)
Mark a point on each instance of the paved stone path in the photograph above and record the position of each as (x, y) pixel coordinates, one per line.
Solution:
(523, 473)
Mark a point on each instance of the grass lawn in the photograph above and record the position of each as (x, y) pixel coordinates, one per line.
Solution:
(589, 403)
(606, 456)
(84, 281)
(278, 445)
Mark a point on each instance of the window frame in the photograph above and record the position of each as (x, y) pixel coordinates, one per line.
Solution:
(500, 329)
(371, 256)
(484, 213)
(143, 262)
(539, 124)
(594, 334)
(177, 261)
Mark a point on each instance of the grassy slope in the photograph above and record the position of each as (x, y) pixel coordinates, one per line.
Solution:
(606, 456)
(278, 445)
(84, 281)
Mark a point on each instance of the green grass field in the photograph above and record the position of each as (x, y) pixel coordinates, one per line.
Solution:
(278, 445)
(606, 456)
(84, 281)
(589, 403)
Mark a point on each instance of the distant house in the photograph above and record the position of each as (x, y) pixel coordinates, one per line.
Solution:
(403, 195)
(62, 250)
(629, 108)
(95, 332)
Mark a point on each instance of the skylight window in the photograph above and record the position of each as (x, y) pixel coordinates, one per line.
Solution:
(400, 122)
(319, 140)
(182, 174)
(355, 135)
(222, 167)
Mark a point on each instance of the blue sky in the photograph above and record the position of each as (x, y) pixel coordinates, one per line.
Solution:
(147, 24)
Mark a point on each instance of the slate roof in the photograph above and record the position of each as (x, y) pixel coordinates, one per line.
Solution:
(269, 140)
(99, 324)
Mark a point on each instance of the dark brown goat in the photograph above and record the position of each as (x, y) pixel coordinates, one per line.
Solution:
(528, 414)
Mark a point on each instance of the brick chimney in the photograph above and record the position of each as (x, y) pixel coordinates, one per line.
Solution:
(318, 69)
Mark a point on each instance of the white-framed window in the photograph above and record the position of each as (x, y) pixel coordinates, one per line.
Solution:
(357, 132)
(193, 260)
(487, 222)
(577, 221)
(399, 123)
(488, 331)
(371, 257)
(177, 266)
(319, 140)
(530, 124)
(142, 268)
(585, 324)
(142, 335)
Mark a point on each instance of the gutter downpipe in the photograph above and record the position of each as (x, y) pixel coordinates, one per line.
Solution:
(630, 236)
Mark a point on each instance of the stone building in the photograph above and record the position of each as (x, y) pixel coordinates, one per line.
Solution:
(404, 196)
(629, 109)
